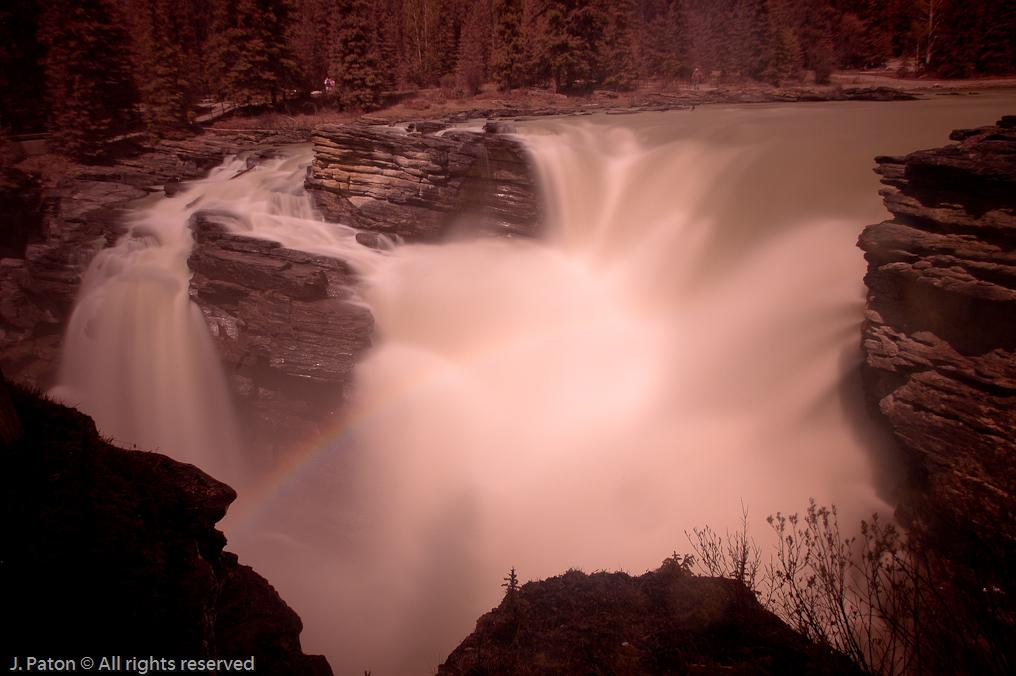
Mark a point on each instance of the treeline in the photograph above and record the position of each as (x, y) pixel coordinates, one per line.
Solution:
(87, 69)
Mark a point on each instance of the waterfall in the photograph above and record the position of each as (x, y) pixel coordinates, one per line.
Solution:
(583, 400)
(682, 340)
(137, 354)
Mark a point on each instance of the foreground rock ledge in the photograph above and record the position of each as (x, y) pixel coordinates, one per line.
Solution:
(666, 621)
(422, 186)
(939, 335)
(114, 552)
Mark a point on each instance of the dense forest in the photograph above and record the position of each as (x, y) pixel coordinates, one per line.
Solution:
(88, 69)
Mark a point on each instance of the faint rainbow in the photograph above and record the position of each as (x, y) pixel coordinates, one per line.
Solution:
(308, 455)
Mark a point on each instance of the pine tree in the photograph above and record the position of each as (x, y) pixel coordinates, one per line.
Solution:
(354, 57)
(162, 32)
(387, 20)
(90, 88)
(250, 58)
(570, 40)
(663, 39)
(473, 53)
(508, 60)
(22, 76)
(308, 39)
(977, 36)
(619, 68)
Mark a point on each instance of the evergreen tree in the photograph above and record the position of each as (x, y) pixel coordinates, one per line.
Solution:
(926, 28)
(22, 76)
(354, 56)
(620, 65)
(90, 87)
(702, 46)
(162, 32)
(663, 39)
(508, 57)
(976, 37)
(250, 58)
(431, 31)
(308, 38)
(814, 24)
(784, 56)
(571, 37)
(473, 50)
(743, 35)
(387, 19)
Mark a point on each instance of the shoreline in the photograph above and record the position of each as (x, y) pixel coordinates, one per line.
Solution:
(439, 105)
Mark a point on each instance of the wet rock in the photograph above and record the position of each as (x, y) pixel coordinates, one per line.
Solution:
(427, 127)
(72, 221)
(940, 328)
(498, 127)
(374, 240)
(417, 186)
(284, 322)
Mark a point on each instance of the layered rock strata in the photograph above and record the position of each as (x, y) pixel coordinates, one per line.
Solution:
(940, 326)
(115, 552)
(73, 218)
(285, 324)
(422, 186)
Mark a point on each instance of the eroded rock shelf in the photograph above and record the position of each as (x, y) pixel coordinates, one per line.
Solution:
(940, 326)
(419, 186)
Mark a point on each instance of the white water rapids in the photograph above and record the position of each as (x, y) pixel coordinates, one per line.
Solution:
(683, 340)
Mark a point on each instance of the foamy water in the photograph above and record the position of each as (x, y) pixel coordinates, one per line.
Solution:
(683, 340)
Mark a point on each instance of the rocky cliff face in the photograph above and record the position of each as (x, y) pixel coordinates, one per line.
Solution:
(940, 325)
(284, 324)
(77, 216)
(114, 552)
(419, 186)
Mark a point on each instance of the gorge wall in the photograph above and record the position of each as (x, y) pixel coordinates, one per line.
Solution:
(112, 551)
(940, 327)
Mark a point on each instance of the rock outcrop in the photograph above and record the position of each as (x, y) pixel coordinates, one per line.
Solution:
(421, 186)
(940, 326)
(114, 552)
(666, 621)
(73, 219)
(284, 324)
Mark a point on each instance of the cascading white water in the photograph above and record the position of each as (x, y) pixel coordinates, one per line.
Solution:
(137, 355)
(684, 339)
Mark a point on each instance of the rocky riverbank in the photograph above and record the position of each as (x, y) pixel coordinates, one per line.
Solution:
(940, 327)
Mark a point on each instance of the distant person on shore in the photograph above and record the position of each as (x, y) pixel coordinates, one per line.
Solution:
(696, 78)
